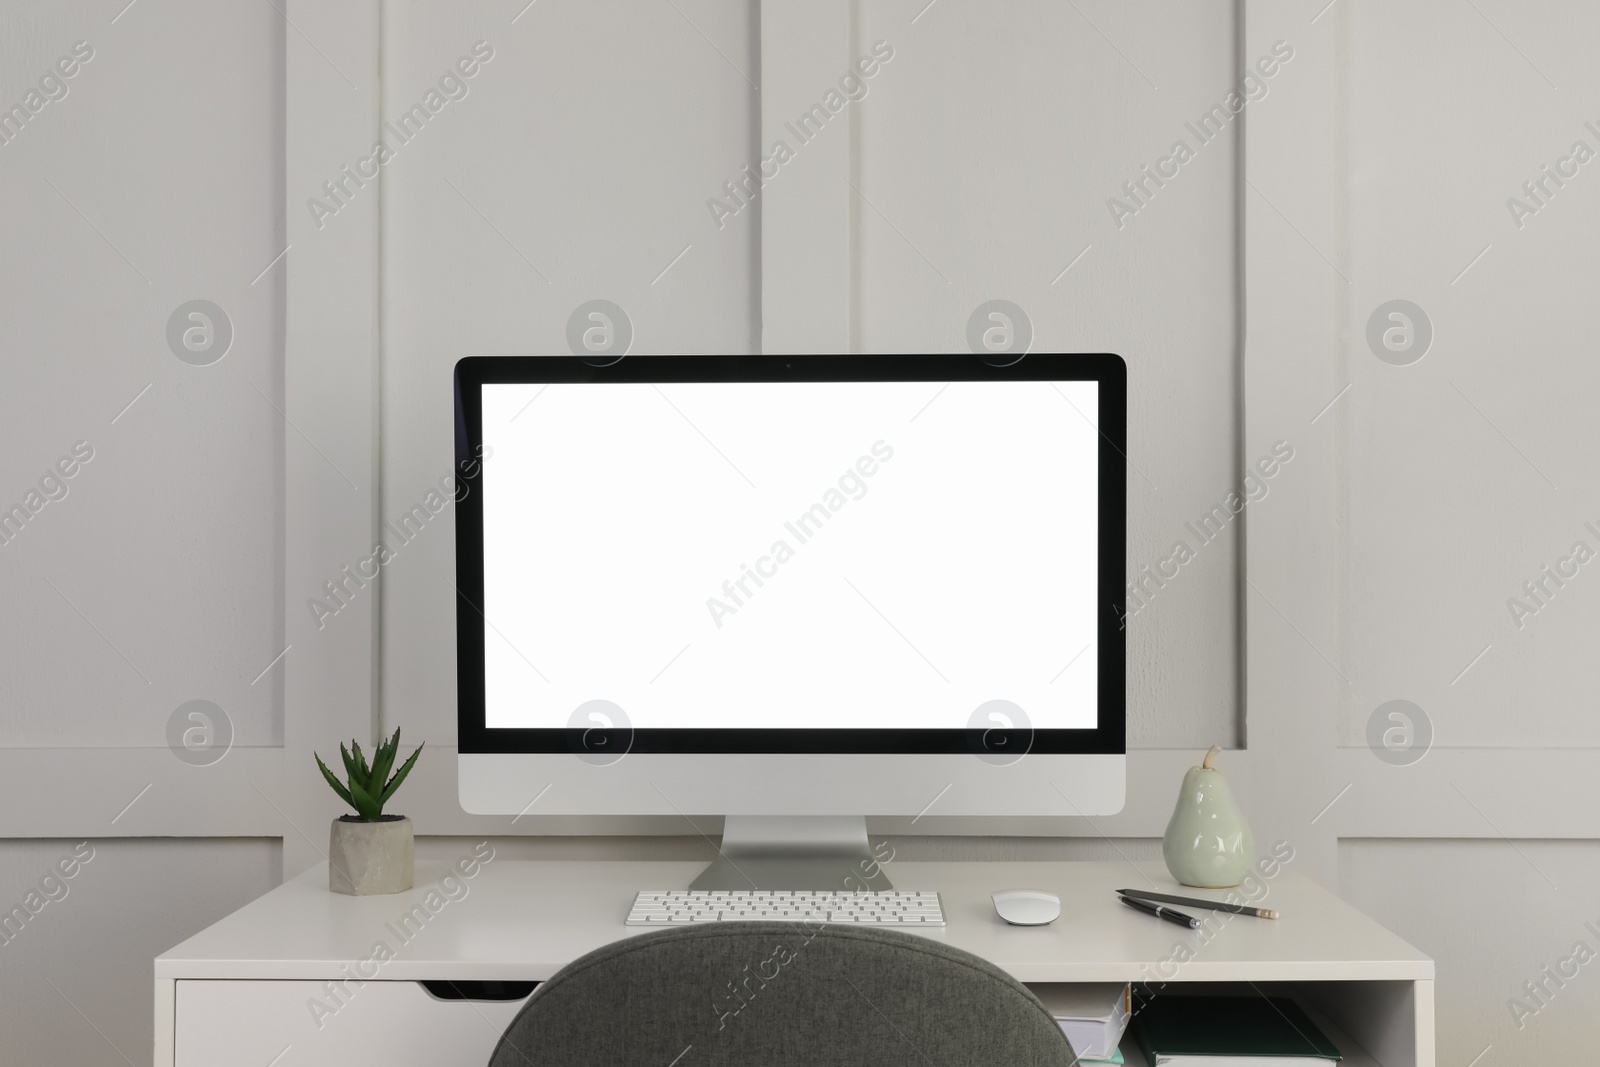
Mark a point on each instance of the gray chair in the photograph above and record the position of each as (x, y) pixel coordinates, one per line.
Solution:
(776, 994)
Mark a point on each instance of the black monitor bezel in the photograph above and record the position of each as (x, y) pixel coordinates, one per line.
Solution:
(472, 372)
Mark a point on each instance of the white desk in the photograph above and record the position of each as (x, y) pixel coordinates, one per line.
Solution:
(246, 989)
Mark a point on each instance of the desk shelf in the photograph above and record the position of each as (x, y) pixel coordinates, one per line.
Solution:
(1375, 1011)
(1354, 1054)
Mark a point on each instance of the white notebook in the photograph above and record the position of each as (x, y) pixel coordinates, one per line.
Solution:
(1093, 1015)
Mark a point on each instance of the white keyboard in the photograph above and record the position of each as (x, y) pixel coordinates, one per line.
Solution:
(680, 907)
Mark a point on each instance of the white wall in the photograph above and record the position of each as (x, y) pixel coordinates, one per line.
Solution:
(151, 183)
(158, 578)
(1462, 475)
(1377, 167)
(1471, 470)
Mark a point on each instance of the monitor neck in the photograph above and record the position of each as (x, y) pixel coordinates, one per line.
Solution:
(769, 852)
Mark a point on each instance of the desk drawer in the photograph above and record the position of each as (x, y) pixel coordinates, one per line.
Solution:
(301, 1024)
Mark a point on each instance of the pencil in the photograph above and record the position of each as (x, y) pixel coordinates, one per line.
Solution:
(1214, 905)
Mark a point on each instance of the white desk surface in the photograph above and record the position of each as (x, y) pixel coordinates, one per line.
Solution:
(525, 920)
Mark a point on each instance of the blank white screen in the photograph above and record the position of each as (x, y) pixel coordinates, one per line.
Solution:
(619, 521)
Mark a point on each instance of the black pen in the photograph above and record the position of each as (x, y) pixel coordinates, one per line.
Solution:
(1214, 905)
(1161, 913)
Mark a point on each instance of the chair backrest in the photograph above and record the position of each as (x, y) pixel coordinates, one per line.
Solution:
(775, 994)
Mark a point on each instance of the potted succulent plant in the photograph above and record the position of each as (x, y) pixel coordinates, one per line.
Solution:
(370, 852)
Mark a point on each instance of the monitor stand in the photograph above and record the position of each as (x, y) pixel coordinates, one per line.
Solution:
(794, 852)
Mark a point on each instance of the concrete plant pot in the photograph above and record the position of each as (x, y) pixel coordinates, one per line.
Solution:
(371, 858)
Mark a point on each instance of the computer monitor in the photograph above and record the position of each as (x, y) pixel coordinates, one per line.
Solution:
(791, 590)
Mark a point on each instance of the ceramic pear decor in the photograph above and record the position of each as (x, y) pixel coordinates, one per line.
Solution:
(1208, 844)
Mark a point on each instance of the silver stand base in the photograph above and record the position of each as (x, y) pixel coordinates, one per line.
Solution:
(794, 852)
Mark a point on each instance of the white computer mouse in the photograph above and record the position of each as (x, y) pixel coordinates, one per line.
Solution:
(1026, 907)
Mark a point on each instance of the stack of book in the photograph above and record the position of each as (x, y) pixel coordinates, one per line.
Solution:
(1092, 1015)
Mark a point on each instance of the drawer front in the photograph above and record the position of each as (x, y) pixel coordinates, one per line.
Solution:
(301, 1024)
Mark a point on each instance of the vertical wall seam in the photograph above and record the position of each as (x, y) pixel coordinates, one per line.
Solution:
(376, 658)
(1241, 555)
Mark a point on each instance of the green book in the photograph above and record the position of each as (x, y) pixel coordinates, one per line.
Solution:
(1248, 1031)
(1115, 1057)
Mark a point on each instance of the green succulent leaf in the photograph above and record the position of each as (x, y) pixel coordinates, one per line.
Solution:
(349, 762)
(400, 776)
(369, 809)
(364, 788)
(344, 794)
(383, 759)
(363, 772)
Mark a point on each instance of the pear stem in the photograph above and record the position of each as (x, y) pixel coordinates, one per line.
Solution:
(1211, 755)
